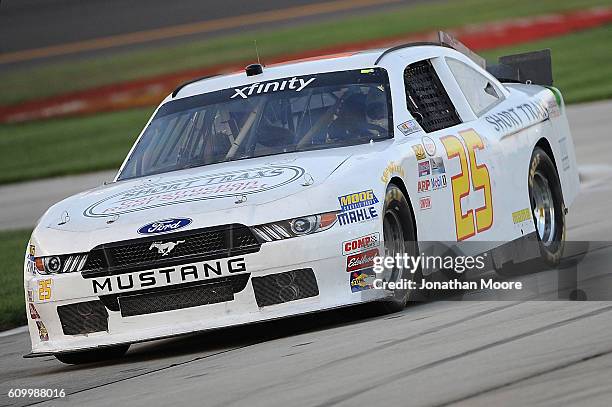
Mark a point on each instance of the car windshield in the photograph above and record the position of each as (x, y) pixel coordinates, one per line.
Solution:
(264, 118)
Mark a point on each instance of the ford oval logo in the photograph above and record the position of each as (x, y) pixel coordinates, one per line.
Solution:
(164, 226)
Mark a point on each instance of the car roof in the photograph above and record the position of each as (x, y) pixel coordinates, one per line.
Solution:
(307, 66)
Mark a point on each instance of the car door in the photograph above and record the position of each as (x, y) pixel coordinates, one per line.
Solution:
(458, 172)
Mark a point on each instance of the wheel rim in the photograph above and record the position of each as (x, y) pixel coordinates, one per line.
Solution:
(543, 208)
(394, 240)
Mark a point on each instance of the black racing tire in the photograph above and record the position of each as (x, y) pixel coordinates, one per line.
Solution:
(547, 206)
(399, 233)
(93, 356)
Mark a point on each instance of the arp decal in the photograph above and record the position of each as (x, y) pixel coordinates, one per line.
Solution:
(357, 207)
(164, 226)
(392, 169)
(199, 188)
(361, 280)
(483, 216)
(361, 260)
(168, 276)
(44, 289)
(432, 184)
(360, 243)
(419, 152)
(409, 127)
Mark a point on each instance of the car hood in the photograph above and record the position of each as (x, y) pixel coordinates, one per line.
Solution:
(221, 189)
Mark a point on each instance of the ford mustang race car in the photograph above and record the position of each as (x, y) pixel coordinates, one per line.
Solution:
(268, 193)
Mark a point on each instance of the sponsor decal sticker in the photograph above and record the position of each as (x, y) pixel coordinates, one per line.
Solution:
(198, 188)
(409, 127)
(42, 331)
(419, 151)
(164, 226)
(429, 145)
(360, 243)
(44, 289)
(521, 216)
(432, 184)
(357, 215)
(565, 162)
(424, 168)
(168, 275)
(437, 166)
(361, 261)
(296, 84)
(30, 295)
(361, 280)
(33, 312)
(425, 203)
(519, 116)
(357, 200)
(392, 169)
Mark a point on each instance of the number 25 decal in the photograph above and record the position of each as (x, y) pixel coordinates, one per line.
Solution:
(464, 222)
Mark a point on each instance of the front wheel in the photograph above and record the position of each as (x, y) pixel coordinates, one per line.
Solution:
(92, 356)
(547, 206)
(399, 235)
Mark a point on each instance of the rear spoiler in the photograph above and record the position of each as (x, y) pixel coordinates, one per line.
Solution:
(530, 67)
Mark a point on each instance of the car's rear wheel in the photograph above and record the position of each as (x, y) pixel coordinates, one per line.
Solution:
(92, 356)
(547, 206)
(399, 235)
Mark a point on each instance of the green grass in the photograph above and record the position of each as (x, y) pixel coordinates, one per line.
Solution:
(51, 79)
(12, 249)
(582, 63)
(67, 146)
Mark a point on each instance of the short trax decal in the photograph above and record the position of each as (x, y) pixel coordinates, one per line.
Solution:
(198, 188)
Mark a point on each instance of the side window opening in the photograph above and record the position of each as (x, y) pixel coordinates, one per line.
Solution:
(427, 99)
(480, 93)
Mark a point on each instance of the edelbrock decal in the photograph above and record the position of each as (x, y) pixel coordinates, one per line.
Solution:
(164, 226)
(199, 188)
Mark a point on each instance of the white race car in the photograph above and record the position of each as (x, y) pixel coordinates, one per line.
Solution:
(268, 193)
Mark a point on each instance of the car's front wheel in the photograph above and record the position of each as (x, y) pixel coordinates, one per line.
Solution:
(92, 356)
(399, 235)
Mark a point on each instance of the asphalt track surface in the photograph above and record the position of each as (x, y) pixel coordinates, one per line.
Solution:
(471, 353)
(32, 31)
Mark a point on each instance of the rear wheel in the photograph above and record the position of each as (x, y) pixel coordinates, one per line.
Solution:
(547, 206)
(92, 356)
(399, 235)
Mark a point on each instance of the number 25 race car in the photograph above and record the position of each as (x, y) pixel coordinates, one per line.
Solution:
(269, 192)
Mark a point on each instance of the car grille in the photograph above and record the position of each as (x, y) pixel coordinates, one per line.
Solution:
(193, 245)
(176, 296)
(83, 317)
(284, 287)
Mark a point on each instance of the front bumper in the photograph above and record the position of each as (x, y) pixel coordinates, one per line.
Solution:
(321, 252)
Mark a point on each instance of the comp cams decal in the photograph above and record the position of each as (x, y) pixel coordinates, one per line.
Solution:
(212, 186)
(361, 243)
(357, 207)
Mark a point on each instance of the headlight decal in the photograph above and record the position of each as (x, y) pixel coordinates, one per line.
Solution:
(300, 226)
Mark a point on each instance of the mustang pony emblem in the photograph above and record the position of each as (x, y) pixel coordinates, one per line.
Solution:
(165, 248)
